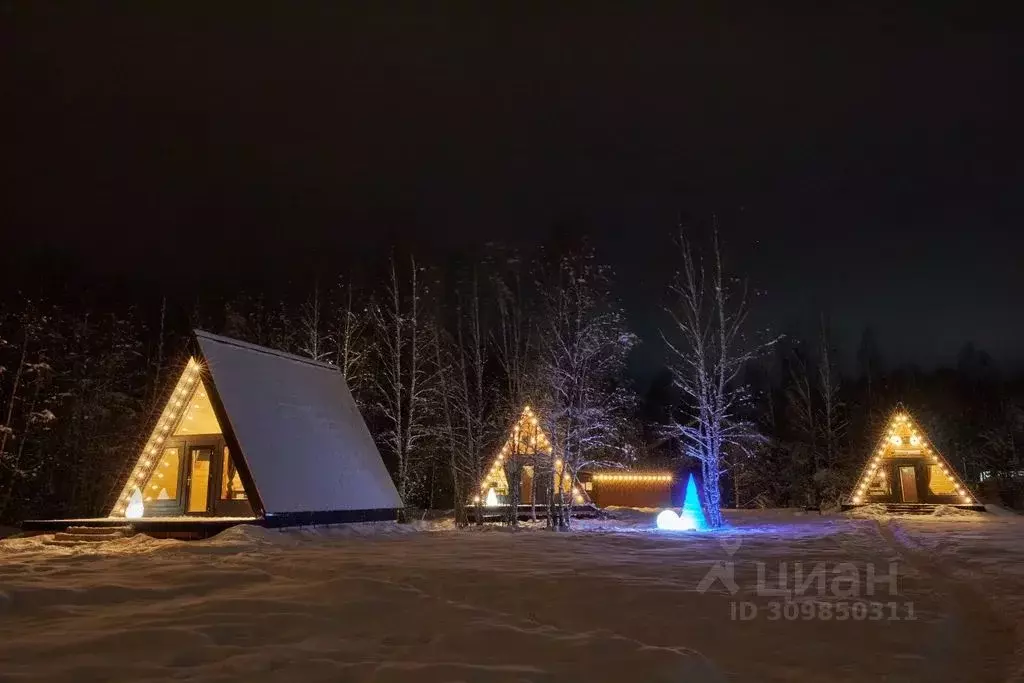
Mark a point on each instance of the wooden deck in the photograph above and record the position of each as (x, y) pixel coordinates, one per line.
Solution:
(496, 513)
(200, 526)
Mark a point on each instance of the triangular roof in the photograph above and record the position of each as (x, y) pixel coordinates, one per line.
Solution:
(904, 438)
(301, 443)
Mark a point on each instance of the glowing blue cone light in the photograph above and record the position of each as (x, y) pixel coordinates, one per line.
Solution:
(691, 518)
(692, 512)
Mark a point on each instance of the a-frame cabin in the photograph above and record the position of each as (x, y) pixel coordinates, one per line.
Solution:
(542, 473)
(252, 435)
(906, 472)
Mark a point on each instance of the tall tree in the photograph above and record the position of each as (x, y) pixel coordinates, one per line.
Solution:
(313, 341)
(831, 420)
(350, 337)
(708, 349)
(584, 344)
(404, 378)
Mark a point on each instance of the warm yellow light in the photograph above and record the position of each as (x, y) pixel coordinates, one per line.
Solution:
(632, 477)
(856, 499)
(896, 440)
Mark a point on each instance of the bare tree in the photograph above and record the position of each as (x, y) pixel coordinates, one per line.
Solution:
(349, 334)
(831, 422)
(403, 379)
(708, 355)
(451, 437)
(515, 352)
(466, 408)
(314, 341)
(801, 404)
(584, 343)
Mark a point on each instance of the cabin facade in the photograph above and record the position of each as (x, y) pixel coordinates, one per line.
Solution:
(905, 469)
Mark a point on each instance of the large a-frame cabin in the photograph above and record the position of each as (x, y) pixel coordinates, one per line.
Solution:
(251, 435)
(905, 472)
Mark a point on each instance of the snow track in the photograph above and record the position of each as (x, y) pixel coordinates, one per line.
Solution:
(980, 641)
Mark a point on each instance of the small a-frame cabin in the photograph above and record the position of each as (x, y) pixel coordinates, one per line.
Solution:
(542, 474)
(906, 472)
(252, 435)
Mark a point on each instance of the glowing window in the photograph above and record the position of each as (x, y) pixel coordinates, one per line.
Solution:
(231, 483)
(198, 416)
(879, 484)
(940, 484)
(163, 482)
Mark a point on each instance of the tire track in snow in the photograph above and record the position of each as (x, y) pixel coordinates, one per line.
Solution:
(991, 639)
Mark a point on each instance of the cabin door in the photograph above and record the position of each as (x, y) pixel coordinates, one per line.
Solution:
(908, 484)
(200, 473)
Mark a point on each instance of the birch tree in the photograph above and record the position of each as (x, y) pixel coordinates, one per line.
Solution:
(584, 344)
(314, 341)
(515, 350)
(466, 406)
(403, 379)
(350, 337)
(831, 422)
(708, 352)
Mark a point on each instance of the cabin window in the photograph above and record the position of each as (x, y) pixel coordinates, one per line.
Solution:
(198, 416)
(940, 484)
(163, 483)
(879, 485)
(231, 483)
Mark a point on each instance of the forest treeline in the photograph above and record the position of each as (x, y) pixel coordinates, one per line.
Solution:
(442, 358)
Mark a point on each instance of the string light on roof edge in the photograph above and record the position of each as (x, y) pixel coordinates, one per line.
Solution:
(141, 471)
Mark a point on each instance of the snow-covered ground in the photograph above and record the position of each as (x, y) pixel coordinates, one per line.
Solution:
(614, 600)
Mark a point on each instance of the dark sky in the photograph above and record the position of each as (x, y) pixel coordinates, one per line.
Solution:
(868, 163)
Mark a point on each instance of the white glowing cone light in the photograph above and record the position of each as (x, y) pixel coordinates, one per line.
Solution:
(135, 506)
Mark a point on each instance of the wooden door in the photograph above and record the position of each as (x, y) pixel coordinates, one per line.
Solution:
(908, 484)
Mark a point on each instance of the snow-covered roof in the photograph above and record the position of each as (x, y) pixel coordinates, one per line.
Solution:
(302, 436)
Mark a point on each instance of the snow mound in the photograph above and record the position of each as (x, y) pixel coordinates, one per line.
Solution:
(951, 511)
(364, 529)
(879, 511)
(250, 535)
(246, 534)
(873, 511)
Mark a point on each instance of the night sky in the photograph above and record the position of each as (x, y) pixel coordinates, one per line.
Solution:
(868, 164)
